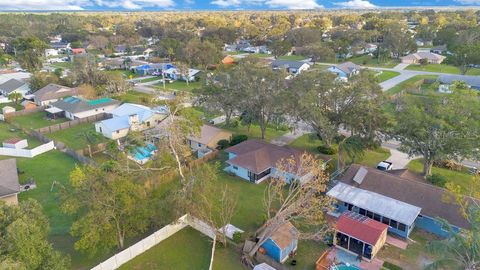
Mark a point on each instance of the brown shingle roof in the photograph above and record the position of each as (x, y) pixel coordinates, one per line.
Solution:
(54, 91)
(428, 197)
(285, 235)
(8, 177)
(257, 156)
(208, 134)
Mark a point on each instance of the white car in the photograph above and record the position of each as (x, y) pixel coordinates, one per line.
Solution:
(385, 166)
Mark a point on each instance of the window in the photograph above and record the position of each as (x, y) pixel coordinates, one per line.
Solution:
(235, 167)
(350, 206)
(96, 110)
(401, 227)
(386, 221)
(377, 217)
(100, 128)
(118, 131)
(393, 223)
(362, 211)
(148, 123)
(369, 214)
(199, 145)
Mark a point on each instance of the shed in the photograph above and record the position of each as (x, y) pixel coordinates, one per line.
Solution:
(16, 143)
(282, 243)
(7, 109)
(360, 235)
(263, 266)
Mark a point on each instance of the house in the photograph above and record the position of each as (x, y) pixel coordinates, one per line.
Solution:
(6, 75)
(359, 235)
(282, 243)
(51, 93)
(441, 49)
(61, 47)
(14, 86)
(209, 138)
(447, 80)
(414, 58)
(128, 117)
(152, 68)
(76, 51)
(397, 198)
(256, 160)
(16, 143)
(175, 74)
(291, 67)
(9, 185)
(78, 108)
(51, 52)
(345, 70)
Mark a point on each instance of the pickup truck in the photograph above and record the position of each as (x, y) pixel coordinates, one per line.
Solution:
(385, 166)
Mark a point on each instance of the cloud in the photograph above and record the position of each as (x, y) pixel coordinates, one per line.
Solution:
(43, 4)
(287, 4)
(356, 4)
(135, 4)
(468, 2)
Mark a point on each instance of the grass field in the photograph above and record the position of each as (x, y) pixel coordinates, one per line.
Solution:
(179, 86)
(403, 85)
(8, 132)
(387, 75)
(255, 132)
(186, 249)
(460, 178)
(227, 258)
(366, 60)
(36, 120)
(17, 107)
(443, 68)
(134, 97)
(78, 137)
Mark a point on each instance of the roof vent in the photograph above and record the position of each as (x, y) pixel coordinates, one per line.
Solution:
(361, 173)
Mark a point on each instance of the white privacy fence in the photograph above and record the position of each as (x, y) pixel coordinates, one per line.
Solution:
(27, 153)
(148, 242)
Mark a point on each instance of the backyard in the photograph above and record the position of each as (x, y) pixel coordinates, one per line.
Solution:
(254, 132)
(79, 136)
(8, 131)
(186, 249)
(36, 120)
(442, 68)
(17, 107)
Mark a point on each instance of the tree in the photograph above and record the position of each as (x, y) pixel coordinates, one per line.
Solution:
(15, 96)
(279, 48)
(23, 239)
(303, 202)
(197, 53)
(39, 80)
(319, 52)
(109, 206)
(398, 41)
(464, 56)
(439, 127)
(29, 52)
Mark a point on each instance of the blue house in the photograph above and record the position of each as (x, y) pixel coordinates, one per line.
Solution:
(345, 70)
(282, 243)
(256, 160)
(398, 198)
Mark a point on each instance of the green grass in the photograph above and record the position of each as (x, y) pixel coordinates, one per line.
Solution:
(403, 85)
(308, 253)
(187, 249)
(366, 60)
(255, 132)
(202, 113)
(75, 138)
(227, 258)
(442, 68)
(179, 86)
(134, 97)
(149, 79)
(62, 65)
(292, 57)
(17, 107)
(8, 132)
(413, 256)
(387, 75)
(473, 72)
(260, 55)
(460, 178)
(36, 120)
(127, 74)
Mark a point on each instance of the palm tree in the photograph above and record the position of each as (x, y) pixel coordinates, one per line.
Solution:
(461, 250)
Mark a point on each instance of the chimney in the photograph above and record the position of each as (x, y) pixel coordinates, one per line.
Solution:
(133, 119)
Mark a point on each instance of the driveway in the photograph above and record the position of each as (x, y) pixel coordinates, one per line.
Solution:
(395, 80)
(400, 66)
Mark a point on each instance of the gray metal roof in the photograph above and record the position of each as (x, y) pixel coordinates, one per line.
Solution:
(374, 202)
(11, 85)
(287, 64)
(8, 177)
(81, 105)
(473, 81)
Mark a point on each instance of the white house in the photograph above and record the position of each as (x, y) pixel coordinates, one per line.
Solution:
(78, 108)
(128, 117)
(292, 67)
(14, 86)
(51, 52)
(51, 93)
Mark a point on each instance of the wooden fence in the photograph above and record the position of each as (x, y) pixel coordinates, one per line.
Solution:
(205, 158)
(69, 124)
(8, 116)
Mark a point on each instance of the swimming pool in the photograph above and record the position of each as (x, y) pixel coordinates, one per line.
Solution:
(345, 267)
(142, 154)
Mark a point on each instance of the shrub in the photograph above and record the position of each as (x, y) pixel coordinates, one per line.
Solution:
(237, 237)
(326, 150)
(391, 266)
(339, 138)
(449, 164)
(222, 144)
(437, 179)
(238, 139)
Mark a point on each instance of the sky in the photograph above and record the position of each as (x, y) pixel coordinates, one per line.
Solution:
(159, 5)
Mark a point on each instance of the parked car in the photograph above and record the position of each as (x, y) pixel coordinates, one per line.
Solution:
(385, 166)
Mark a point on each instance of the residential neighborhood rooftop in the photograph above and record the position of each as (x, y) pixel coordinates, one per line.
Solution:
(11, 85)
(360, 227)
(8, 177)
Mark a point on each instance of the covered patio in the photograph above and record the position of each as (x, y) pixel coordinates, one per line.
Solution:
(54, 113)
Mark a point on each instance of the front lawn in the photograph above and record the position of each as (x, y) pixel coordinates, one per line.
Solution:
(79, 136)
(442, 68)
(366, 60)
(387, 75)
(408, 83)
(254, 131)
(179, 86)
(135, 97)
(460, 178)
(186, 249)
(36, 120)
